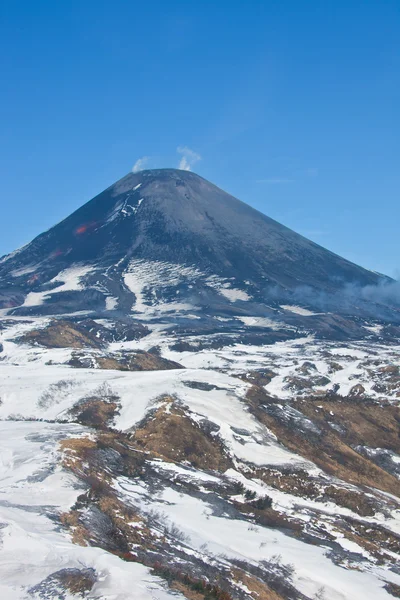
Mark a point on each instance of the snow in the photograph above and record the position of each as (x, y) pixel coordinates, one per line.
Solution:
(224, 408)
(32, 549)
(151, 283)
(35, 299)
(7, 257)
(261, 451)
(111, 302)
(147, 280)
(301, 507)
(234, 294)
(52, 394)
(346, 351)
(27, 452)
(34, 486)
(69, 280)
(233, 538)
(115, 213)
(261, 322)
(32, 545)
(135, 285)
(187, 473)
(374, 328)
(298, 310)
(24, 271)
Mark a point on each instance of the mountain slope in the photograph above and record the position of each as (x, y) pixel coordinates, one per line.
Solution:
(179, 217)
(166, 224)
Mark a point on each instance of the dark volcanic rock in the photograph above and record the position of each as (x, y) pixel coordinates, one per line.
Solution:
(183, 239)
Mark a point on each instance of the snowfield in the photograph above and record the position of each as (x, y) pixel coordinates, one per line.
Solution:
(37, 392)
(34, 488)
(50, 397)
(233, 538)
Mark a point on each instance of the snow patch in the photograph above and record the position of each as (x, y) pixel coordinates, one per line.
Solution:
(69, 280)
(261, 322)
(234, 294)
(298, 310)
(111, 302)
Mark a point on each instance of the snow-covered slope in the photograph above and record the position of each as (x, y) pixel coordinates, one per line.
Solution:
(195, 402)
(222, 473)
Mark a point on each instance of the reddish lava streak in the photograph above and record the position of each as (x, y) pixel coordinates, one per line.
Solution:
(85, 227)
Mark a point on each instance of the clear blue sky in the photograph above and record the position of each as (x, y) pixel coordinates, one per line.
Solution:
(293, 106)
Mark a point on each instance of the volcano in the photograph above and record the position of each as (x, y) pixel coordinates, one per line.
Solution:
(168, 241)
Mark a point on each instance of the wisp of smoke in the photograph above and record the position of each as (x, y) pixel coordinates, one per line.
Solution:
(373, 300)
(384, 293)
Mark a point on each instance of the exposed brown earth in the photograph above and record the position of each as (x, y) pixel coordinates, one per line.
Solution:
(77, 582)
(89, 461)
(269, 517)
(363, 424)
(257, 396)
(393, 589)
(186, 591)
(299, 483)
(387, 378)
(95, 412)
(192, 587)
(172, 435)
(300, 384)
(62, 334)
(257, 588)
(125, 530)
(355, 501)
(374, 537)
(80, 535)
(334, 367)
(357, 391)
(128, 361)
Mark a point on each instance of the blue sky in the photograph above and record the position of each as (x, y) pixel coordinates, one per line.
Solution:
(292, 106)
